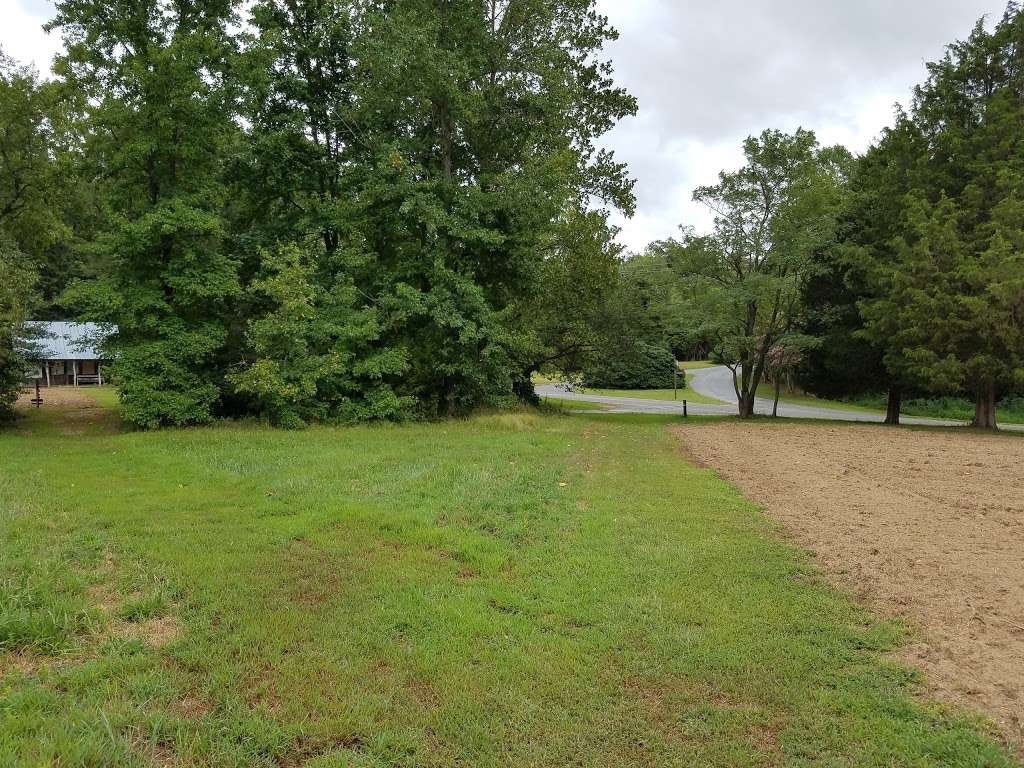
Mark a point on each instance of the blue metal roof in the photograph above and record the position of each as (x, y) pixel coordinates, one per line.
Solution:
(67, 341)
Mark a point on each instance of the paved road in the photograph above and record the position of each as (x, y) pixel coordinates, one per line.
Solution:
(716, 383)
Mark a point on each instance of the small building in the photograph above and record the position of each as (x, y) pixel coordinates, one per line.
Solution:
(67, 353)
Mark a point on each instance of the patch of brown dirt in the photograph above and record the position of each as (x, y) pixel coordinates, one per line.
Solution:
(156, 632)
(307, 748)
(316, 576)
(65, 398)
(193, 707)
(105, 597)
(923, 525)
(157, 754)
(77, 411)
(20, 663)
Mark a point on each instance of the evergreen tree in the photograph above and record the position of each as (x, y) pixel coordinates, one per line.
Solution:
(855, 272)
(948, 285)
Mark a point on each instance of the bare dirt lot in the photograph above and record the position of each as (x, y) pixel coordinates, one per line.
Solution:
(64, 398)
(923, 525)
(68, 410)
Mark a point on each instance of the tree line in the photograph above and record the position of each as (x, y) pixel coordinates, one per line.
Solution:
(346, 210)
(899, 270)
(315, 210)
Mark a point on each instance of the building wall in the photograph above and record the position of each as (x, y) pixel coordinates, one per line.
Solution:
(62, 371)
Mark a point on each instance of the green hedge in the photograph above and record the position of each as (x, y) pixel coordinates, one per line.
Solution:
(638, 366)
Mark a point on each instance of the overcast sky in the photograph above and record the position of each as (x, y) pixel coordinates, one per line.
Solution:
(708, 73)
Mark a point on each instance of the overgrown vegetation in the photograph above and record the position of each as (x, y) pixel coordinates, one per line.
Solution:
(335, 211)
(638, 365)
(542, 591)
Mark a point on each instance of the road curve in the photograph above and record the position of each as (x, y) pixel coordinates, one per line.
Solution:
(716, 383)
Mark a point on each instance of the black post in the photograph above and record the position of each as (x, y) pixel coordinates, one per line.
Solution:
(686, 415)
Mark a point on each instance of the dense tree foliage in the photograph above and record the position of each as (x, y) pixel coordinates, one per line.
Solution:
(16, 300)
(159, 113)
(632, 341)
(442, 153)
(745, 279)
(636, 364)
(315, 210)
(28, 224)
(933, 246)
(852, 358)
(339, 210)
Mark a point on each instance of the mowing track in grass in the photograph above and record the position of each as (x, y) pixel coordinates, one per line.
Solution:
(507, 590)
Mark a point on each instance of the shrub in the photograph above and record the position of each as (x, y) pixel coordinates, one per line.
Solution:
(637, 366)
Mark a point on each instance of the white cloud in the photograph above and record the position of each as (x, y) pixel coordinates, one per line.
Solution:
(22, 36)
(709, 74)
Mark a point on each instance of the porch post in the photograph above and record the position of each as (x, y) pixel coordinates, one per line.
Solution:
(99, 372)
(47, 365)
(74, 364)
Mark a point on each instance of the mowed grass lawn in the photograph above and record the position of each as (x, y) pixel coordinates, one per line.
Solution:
(683, 393)
(510, 590)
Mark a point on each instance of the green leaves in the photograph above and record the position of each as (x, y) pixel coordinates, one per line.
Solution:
(16, 300)
(937, 227)
(436, 150)
(338, 209)
(774, 216)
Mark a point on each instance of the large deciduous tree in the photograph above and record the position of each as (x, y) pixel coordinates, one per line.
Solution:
(28, 222)
(746, 278)
(16, 301)
(36, 182)
(443, 154)
(159, 109)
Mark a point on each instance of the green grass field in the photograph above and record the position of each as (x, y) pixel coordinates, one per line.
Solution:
(796, 398)
(559, 403)
(510, 590)
(684, 393)
(1010, 411)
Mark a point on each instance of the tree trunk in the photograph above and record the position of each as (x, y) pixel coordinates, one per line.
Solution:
(523, 388)
(778, 393)
(892, 411)
(985, 407)
(746, 405)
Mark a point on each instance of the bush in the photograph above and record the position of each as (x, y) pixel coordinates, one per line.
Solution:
(15, 304)
(638, 366)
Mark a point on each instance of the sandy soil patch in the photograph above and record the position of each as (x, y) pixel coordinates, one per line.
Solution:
(923, 525)
(64, 397)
